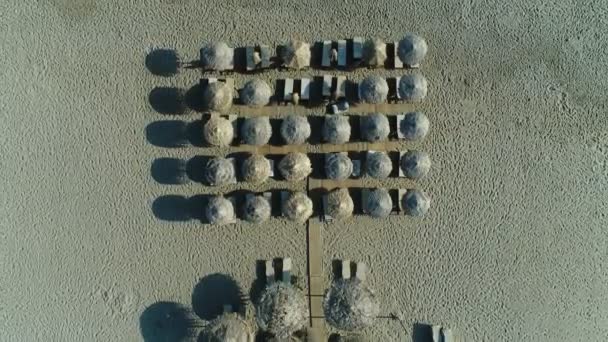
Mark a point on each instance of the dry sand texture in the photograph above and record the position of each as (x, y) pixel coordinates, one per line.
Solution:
(513, 249)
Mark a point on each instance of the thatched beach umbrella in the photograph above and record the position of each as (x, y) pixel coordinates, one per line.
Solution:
(228, 327)
(413, 87)
(282, 310)
(219, 171)
(295, 166)
(218, 97)
(295, 129)
(414, 126)
(256, 130)
(415, 164)
(350, 305)
(379, 203)
(336, 129)
(298, 207)
(378, 165)
(338, 166)
(219, 211)
(256, 209)
(256, 93)
(296, 54)
(373, 89)
(416, 203)
(255, 169)
(374, 53)
(339, 204)
(375, 127)
(412, 49)
(218, 131)
(217, 56)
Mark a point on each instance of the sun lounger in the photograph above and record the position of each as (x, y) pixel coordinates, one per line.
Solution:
(288, 90)
(305, 89)
(357, 48)
(342, 53)
(448, 335)
(265, 55)
(400, 194)
(436, 333)
(345, 269)
(397, 63)
(249, 53)
(286, 275)
(326, 57)
(327, 81)
(269, 271)
(361, 272)
(356, 168)
(340, 90)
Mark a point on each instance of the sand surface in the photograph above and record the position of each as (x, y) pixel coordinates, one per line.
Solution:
(515, 246)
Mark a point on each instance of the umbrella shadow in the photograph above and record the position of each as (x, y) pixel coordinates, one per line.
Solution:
(168, 321)
(163, 62)
(168, 100)
(213, 292)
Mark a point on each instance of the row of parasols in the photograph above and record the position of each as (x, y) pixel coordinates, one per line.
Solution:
(410, 51)
(218, 96)
(282, 311)
(296, 129)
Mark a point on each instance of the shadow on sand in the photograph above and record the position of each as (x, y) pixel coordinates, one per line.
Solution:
(168, 321)
(214, 291)
(163, 62)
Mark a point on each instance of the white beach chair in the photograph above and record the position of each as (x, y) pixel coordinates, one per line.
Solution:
(326, 57)
(397, 63)
(342, 53)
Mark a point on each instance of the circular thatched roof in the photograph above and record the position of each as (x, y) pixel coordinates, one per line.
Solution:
(256, 130)
(414, 126)
(219, 171)
(255, 169)
(295, 129)
(298, 207)
(256, 93)
(378, 165)
(282, 310)
(227, 327)
(416, 203)
(217, 56)
(256, 209)
(338, 166)
(218, 97)
(339, 204)
(336, 129)
(350, 305)
(412, 49)
(218, 131)
(296, 55)
(379, 203)
(375, 127)
(295, 166)
(373, 89)
(219, 211)
(374, 53)
(413, 87)
(415, 164)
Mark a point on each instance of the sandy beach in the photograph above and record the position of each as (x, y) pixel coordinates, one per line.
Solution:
(93, 246)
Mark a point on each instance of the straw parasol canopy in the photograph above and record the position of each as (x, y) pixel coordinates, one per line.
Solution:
(296, 55)
(378, 165)
(374, 53)
(228, 327)
(295, 166)
(295, 129)
(414, 126)
(219, 171)
(416, 203)
(379, 203)
(255, 169)
(217, 56)
(282, 310)
(350, 305)
(413, 87)
(338, 166)
(219, 211)
(218, 132)
(339, 204)
(256, 130)
(373, 89)
(256, 209)
(256, 93)
(375, 127)
(336, 129)
(298, 207)
(218, 97)
(412, 49)
(415, 164)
